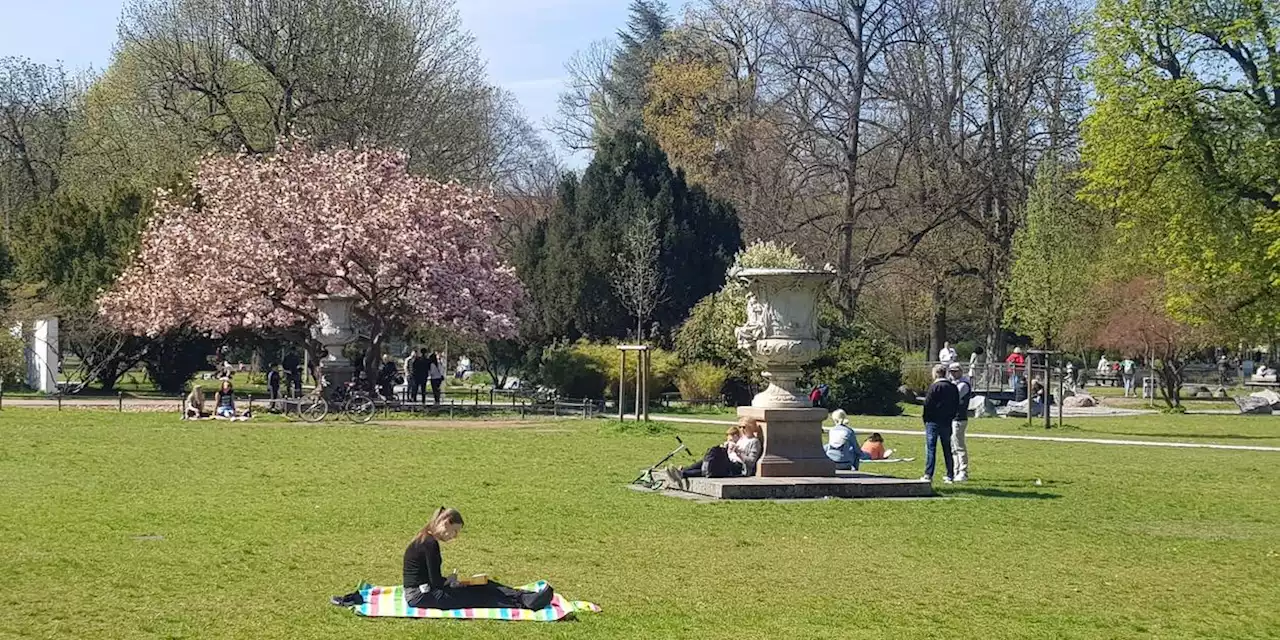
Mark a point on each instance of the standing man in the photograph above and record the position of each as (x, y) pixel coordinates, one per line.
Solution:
(941, 403)
(273, 387)
(1015, 362)
(961, 422)
(418, 386)
(947, 355)
(293, 370)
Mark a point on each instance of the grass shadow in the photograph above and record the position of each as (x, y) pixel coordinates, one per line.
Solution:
(1000, 493)
(1192, 436)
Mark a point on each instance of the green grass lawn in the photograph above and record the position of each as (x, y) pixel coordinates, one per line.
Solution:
(1209, 429)
(122, 526)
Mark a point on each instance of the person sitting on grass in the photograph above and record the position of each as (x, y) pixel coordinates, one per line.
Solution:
(193, 407)
(874, 449)
(225, 405)
(425, 587)
(842, 443)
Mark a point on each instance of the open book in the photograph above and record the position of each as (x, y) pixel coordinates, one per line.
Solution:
(475, 580)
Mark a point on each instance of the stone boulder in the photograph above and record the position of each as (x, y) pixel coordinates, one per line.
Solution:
(1019, 410)
(981, 407)
(1254, 405)
(1078, 401)
(1270, 396)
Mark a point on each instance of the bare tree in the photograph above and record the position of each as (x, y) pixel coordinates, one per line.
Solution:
(638, 278)
(585, 100)
(238, 74)
(37, 108)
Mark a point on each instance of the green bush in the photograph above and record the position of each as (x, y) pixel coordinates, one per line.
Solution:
(13, 362)
(862, 371)
(590, 370)
(701, 381)
(916, 372)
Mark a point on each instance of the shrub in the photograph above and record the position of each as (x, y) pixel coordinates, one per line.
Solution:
(701, 381)
(590, 370)
(917, 371)
(862, 371)
(13, 361)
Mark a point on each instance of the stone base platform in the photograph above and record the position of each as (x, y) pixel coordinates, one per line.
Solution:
(846, 485)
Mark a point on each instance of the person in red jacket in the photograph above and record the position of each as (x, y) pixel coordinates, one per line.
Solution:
(1015, 362)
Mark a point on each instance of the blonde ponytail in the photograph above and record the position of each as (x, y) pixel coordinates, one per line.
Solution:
(443, 516)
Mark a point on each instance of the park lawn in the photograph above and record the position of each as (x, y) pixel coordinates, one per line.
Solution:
(138, 525)
(1194, 428)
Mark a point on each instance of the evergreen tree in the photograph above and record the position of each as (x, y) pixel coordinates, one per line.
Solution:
(640, 46)
(567, 259)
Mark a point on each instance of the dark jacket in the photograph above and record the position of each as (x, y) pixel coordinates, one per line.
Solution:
(941, 403)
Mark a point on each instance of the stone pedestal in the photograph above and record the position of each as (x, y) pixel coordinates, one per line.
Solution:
(792, 442)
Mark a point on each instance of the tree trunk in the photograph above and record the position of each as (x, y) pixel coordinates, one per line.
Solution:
(938, 334)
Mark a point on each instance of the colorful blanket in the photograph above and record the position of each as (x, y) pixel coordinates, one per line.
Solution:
(389, 602)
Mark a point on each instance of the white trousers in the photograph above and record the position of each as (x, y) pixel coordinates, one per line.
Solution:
(959, 452)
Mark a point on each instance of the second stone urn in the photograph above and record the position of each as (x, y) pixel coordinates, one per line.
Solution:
(781, 332)
(782, 335)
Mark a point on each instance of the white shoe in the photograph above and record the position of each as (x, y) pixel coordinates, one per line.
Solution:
(962, 478)
(948, 481)
(926, 479)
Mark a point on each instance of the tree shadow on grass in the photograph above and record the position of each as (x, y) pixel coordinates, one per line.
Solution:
(1000, 493)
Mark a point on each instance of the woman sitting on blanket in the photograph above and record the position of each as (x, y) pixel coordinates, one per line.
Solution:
(426, 588)
(874, 449)
(842, 443)
(193, 408)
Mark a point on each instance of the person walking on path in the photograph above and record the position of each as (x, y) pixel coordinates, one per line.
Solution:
(434, 373)
(961, 423)
(1128, 370)
(293, 372)
(947, 354)
(273, 387)
(941, 403)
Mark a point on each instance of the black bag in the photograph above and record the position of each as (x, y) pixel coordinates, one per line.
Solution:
(716, 463)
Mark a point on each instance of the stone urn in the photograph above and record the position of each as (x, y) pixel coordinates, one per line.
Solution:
(781, 332)
(782, 335)
(333, 331)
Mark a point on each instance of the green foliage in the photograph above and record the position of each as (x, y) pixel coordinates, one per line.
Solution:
(701, 381)
(13, 362)
(175, 357)
(863, 372)
(1053, 254)
(916, 374)
(590, 370)
(1183, 145)
(566, 260)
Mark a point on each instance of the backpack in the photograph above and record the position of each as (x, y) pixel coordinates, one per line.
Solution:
(716, 463)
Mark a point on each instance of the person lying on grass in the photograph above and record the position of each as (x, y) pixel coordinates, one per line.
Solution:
(874, 448)
(426, 588)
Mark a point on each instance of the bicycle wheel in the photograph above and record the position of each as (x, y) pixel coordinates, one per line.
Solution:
(360, 408)
(313, 409)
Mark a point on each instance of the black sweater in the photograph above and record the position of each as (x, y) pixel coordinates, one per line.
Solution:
(941, 403)
(422, 565)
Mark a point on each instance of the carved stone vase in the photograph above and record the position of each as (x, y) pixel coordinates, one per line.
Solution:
(782, 335)
(333, 330)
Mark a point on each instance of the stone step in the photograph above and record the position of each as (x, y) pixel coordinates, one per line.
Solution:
(848, 485)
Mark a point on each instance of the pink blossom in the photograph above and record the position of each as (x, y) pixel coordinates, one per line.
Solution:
(267, 233)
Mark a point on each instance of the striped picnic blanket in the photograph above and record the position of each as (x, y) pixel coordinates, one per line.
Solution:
(389, 602)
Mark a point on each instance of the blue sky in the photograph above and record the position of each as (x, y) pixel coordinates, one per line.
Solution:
(526, 42)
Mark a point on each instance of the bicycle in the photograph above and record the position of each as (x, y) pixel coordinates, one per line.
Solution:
(311, 407)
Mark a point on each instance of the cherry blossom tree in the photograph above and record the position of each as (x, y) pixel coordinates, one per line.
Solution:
(258, 237)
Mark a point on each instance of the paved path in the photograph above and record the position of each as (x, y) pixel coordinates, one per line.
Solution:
(1001, 436)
